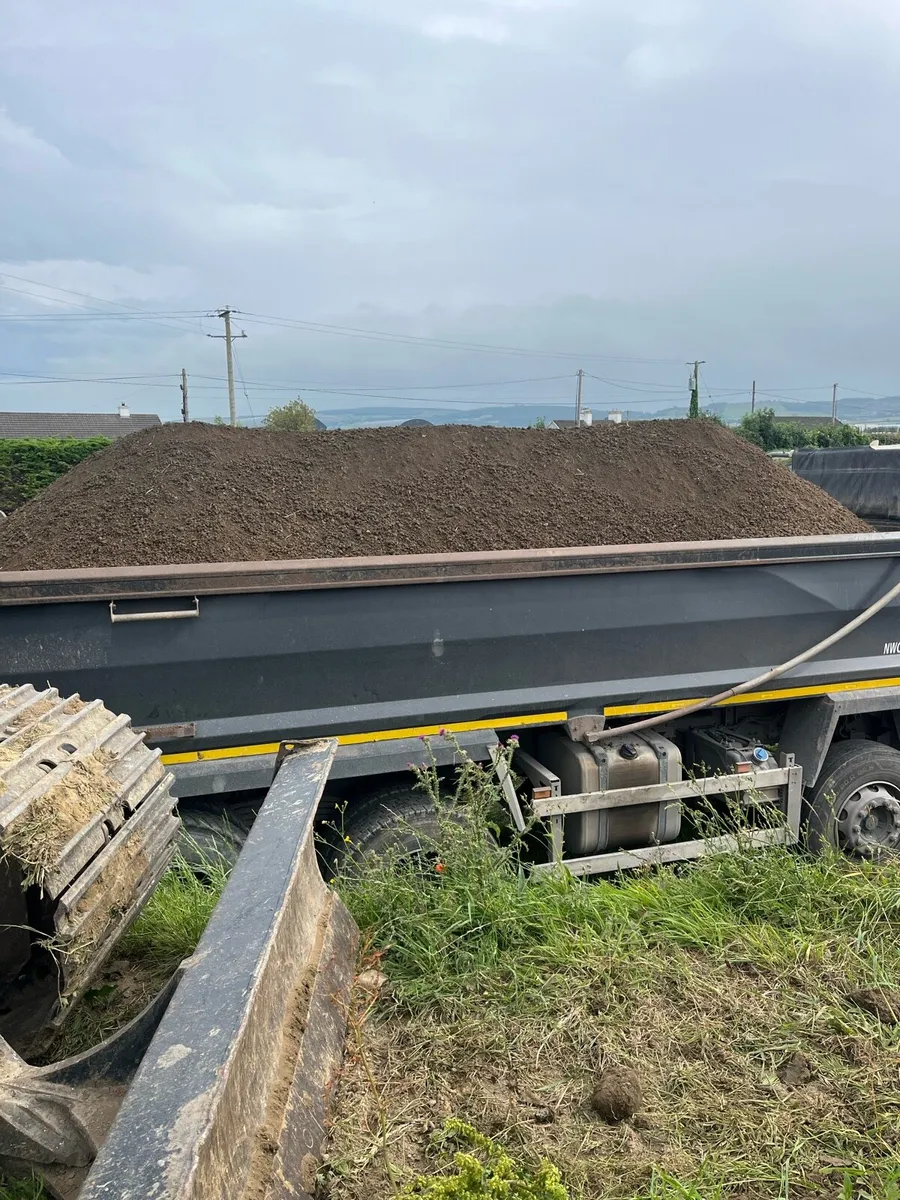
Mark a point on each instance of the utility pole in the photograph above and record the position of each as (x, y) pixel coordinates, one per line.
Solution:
(184, 400)
(225, 314)
(694, 410)
(834, 419)
(753, 398)
(578, 399)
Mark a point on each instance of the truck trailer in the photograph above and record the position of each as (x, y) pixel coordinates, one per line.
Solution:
(662, 702)
(218, 664)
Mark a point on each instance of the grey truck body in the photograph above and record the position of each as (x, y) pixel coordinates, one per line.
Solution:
(231, 656)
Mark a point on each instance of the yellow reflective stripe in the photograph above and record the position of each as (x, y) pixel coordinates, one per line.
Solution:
(611, 710)
(636, 709)
(382, 735)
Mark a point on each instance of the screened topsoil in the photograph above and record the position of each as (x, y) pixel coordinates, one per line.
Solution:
(202, 493)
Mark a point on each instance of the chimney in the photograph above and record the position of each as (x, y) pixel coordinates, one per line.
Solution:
(587, 417)
(124, 410)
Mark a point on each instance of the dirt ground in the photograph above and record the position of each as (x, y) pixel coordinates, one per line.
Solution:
(745, 1085)
(201, 493)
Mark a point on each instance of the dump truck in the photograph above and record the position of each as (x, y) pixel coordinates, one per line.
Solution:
(663, 702)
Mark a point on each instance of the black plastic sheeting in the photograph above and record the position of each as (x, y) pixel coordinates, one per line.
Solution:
(864, 480)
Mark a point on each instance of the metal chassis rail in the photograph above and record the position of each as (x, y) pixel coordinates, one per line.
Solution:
(781, 788)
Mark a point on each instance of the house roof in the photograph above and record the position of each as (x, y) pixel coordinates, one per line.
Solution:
(73, 425)
(558, 423)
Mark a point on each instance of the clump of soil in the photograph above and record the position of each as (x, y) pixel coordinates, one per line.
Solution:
(200, 493)
(797, 1071)
(883, 1003)
(617, 1094)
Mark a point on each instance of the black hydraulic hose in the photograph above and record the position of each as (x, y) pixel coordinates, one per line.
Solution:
(758, 681)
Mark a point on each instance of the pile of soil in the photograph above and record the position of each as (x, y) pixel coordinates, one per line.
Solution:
(201, 493)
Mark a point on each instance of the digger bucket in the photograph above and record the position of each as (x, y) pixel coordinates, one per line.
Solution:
(230, 1096)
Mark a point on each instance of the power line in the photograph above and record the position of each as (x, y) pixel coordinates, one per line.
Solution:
(814, 387)
(443, 343)
(380, 391)
(637, 385)
(33, 380)
(237, 363)
(393, 387)
(26, 318)
(86, 296)
(863, 392)
(427, 387)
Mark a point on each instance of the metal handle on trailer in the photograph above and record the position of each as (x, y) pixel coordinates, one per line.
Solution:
(178, 614)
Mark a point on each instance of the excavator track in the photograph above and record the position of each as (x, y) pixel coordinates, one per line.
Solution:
(87, 827)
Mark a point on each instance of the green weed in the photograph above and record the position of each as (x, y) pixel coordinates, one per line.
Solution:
(22, 1189)
(482, 1170)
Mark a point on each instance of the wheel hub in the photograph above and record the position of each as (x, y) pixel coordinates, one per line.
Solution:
(869, 820)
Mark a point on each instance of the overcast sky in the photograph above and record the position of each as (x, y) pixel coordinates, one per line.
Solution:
(627, 184)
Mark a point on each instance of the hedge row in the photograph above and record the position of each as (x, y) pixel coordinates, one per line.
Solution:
(27, 465)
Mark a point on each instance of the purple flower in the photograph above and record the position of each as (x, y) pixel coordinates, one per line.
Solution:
(514, 740)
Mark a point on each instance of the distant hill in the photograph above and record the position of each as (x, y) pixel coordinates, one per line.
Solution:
(869, 411)
(503, 415)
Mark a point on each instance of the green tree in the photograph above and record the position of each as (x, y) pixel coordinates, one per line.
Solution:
(841, 435)
(295, 417)
(760, 427)
(763, 429)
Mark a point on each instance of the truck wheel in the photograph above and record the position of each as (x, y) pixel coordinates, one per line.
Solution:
(395, 821)
(213, 831)
(855, 805)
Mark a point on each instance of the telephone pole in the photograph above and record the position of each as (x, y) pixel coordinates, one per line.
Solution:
(228, 337)
(834, 419)
(753, 398)
(184, 400)
(578, 399)
(694, 410)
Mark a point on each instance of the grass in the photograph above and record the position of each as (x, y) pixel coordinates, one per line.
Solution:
(507, 993)
(25, 1189)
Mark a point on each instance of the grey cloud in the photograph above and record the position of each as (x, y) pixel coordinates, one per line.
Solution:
(703, 178)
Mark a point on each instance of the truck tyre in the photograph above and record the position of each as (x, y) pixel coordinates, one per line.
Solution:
(213, 831)
(855, 804)
(395, 821)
